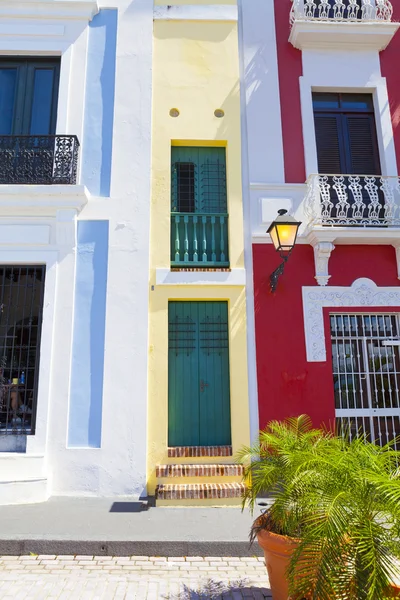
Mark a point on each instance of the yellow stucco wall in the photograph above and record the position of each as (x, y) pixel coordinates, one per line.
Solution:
(196, 70)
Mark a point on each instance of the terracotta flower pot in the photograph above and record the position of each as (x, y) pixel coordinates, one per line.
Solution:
(278, 550)
(395, 591)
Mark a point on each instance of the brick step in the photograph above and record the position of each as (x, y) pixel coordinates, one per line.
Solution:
(211, 470)
(198, 451)
(199, 491)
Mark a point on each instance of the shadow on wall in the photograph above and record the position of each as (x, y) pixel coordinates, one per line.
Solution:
(86, 392)
(99, 105)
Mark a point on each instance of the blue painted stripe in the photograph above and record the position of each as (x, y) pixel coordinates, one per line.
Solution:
(86, 393)
(99, 103)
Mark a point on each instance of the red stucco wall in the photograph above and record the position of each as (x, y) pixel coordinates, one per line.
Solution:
(290, 69)
(287, 384)
(390, 69)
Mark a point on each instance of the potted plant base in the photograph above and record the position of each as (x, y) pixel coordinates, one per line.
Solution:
(394, 591)
(278, 550)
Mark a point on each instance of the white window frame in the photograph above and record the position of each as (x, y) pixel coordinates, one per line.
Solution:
(377, 88)
(45, 29)
(36, 443)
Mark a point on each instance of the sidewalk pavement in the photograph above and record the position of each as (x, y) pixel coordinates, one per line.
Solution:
(103, 526)
(51, 577)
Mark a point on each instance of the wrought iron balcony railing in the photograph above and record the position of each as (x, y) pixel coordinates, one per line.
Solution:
(341, 10)
(38, 160)
(353, 200)
(199, 240)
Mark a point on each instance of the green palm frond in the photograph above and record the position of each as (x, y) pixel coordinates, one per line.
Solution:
(341, 498)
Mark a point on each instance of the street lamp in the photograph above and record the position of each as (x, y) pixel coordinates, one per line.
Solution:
(283, 232)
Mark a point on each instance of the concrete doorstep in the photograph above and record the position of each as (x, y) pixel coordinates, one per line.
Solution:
(104, 526)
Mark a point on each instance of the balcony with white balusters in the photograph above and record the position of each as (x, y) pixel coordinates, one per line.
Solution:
(342, 24)
(352, 209)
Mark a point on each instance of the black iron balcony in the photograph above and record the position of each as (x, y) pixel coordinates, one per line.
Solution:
(38, 159)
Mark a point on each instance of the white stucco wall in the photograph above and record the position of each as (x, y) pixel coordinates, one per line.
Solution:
(118, 466)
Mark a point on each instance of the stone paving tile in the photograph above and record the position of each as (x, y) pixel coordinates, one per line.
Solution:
(49, 577)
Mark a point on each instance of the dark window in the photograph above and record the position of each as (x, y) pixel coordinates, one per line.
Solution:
(28, 96)
(346, 134)
(21, 307)
(185, 173)
(198, 181)
(347, 145)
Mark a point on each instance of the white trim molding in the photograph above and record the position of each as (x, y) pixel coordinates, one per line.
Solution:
(39, 200)
(49, 9)
(322, 254)
(323, 35)
(234, 277)
(194, 12)
(359, 78)
(363, 292)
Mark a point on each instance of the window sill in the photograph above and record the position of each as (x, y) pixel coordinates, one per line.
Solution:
(234, 277)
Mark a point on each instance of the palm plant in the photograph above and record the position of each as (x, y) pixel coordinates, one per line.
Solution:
(339, 498)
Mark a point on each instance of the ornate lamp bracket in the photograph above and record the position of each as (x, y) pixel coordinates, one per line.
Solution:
(322, 254)
(273, 278)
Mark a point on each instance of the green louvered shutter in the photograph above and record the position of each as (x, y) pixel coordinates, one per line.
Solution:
(199, 212)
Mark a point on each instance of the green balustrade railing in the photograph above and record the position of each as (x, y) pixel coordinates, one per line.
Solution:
(199, 240)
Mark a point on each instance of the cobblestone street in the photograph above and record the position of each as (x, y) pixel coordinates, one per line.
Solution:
(128, 578)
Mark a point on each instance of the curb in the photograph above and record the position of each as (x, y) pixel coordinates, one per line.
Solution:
(127, 548)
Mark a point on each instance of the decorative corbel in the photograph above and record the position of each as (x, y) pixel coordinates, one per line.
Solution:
(322, 254)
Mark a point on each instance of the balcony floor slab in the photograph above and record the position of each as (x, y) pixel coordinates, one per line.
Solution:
(308, 34)
(39, 200)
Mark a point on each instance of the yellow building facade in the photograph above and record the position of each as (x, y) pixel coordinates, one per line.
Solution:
(198, 386)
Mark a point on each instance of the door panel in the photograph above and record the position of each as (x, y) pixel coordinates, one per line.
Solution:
(8, 87)
(198, 374)
(330, 147)
(183, 375)
(29, 96)
(41, 105)
(361, 144)
(214, 373)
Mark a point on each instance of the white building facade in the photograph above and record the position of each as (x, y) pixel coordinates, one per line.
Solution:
(75, 132)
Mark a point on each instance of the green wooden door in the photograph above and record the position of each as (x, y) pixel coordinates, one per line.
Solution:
(198, 374)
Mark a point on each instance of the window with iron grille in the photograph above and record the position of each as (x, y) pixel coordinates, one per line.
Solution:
(21, 307)
(199, 214)
(366, 375)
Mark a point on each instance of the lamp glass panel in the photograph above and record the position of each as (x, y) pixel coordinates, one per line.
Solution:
(286, 235)
(274, 237)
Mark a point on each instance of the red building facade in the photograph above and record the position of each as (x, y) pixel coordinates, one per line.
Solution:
(328, 338)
